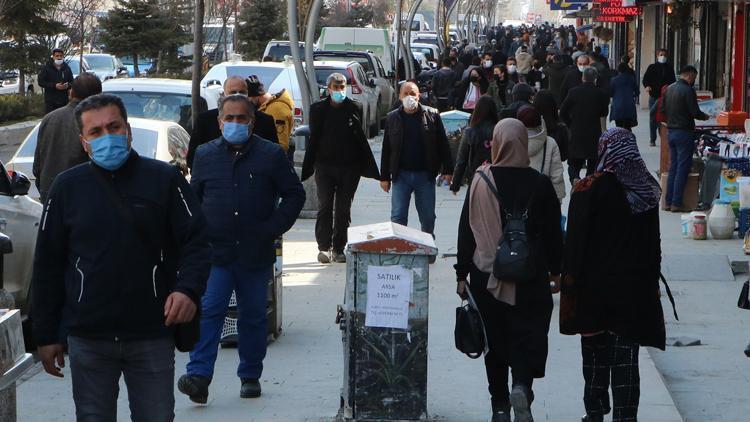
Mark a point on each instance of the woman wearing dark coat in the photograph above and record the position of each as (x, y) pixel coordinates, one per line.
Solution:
(474, 149)
(624, 91)
(610, 289)
(477, 83)
(546, 105)
(516, 316)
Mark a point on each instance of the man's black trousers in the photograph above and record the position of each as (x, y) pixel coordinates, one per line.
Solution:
(336, 188)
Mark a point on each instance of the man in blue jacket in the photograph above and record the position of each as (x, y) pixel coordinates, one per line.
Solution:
(121, 257)
(239, 179)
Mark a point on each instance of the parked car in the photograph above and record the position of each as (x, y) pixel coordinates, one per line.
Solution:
(9, 83)
(374, 71)
(430, 51)
(161, 140)
(424, 38)
(75, 65)
(358, 87)
(19, 220)
(106, 66)
(274, 76)
(375, 40)
(277, 50)
(160, 99)
(145, 65)
(423, 63)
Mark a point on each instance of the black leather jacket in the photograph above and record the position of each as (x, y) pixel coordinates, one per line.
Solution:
(443, 82)
(681, 106)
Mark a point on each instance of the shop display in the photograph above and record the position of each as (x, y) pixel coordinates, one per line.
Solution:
(700, 227)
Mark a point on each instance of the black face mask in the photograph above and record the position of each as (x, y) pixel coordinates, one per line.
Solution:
(474, 78)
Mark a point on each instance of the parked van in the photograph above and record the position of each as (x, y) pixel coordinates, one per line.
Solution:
(375, 40)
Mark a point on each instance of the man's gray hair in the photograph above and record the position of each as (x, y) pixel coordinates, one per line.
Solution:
(335, 77)
(233, 77)
(237, 98)
(590, 74)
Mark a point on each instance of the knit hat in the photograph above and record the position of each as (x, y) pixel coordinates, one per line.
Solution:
(254, 86)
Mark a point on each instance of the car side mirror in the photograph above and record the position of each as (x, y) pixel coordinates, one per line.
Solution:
(6, 245)
(391, 74)
(19, 183)
(372, 83)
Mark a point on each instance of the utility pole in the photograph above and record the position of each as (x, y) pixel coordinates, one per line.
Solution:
(200, 8)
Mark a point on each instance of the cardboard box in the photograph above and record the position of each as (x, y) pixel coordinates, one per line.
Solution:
(690, 195)
(731, 118)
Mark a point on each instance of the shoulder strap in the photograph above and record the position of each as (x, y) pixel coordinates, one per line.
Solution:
(126, 212)
(544, 156)
(669, 294)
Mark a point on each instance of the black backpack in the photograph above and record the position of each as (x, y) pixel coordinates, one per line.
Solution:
(515, 259)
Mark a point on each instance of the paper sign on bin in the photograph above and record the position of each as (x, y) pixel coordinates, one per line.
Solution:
(388, 293)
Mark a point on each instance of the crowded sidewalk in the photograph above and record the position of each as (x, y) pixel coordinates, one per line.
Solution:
(303, 370)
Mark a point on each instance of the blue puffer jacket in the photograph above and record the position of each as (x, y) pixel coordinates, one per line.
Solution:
(239, 193)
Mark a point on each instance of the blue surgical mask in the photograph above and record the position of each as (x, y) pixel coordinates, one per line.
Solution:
(236, 133)
(110, 151)
(338, 96)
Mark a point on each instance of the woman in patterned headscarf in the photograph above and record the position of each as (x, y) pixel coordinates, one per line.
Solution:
(610, 289)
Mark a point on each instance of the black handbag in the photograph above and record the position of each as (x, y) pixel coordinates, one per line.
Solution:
(744, 301)
(186, 335)
(469, 333)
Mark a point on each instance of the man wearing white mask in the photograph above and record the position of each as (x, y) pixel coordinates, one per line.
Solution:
(512, 67)
(338, 154)
(574, 77)
(657, 76)
(56, 78)
(239, 179)
(415, 151)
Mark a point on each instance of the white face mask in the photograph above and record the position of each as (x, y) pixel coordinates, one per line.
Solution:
(661, 59)
(581, 68)
(410, 102)
(488, 64)
(59, 62)
(512, 69)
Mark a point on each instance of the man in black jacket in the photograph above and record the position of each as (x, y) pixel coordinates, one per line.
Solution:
(443, 82)
(207, 127)
(56, 79)
(338, 154)
(657, 76)
(574, 77)
(681, 108)
(122, 256)
(555, 73)
(415, 151)
(582, 110)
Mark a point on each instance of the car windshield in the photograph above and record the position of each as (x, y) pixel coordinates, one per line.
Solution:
(321, 75)
(141, 60)
(156, 105)
(75, 66)
(266, 74)
(99, 62)
(144, 142)
(278, 51)
(215, 34)
(364, 61)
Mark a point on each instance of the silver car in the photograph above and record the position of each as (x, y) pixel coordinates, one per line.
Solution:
(358, 87)
(106, 66)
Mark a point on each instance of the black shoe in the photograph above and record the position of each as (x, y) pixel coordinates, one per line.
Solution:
(589, 418)
(250, 388)
(501, 416)
(195, 387)
(521, 401)
(324, 257)
(747, 350)
(339, 258)
(652, 143)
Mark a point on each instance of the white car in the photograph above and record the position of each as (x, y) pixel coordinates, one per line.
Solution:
(274, 76)
(159, 99)
(422, 60)
(19, 220)
(9, 83)
(161, 140)
(430, 51)
(106, 66)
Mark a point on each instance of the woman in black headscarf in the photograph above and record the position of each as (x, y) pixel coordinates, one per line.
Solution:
(610, 289)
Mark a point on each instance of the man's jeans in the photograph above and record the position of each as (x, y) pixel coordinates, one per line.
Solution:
(653, 127)
(423, 186)
(251, 289)
(148, 367)
(681, 149)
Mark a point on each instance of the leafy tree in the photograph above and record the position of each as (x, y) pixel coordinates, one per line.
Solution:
(22, 24)
(262, 21)
(360, 14)
(138, 28)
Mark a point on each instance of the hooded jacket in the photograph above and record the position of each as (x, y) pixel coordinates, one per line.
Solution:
(555, 73)
(281, 108)
(550, 157)
(524, 61)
